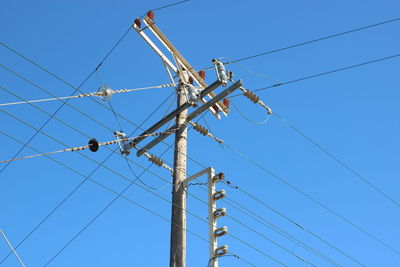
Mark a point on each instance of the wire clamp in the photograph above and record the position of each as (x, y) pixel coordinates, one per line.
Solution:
(123, 143)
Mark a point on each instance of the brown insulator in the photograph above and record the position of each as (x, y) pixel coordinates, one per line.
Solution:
(202, 74)
(150, 15)
(253, 97)
(201, 129)
(137, 22)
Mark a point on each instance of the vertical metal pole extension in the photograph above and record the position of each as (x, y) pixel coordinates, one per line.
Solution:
(178, 217)
(212, 224)
(12, 249)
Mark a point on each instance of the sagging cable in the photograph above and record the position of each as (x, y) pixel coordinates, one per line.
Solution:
(202, 130)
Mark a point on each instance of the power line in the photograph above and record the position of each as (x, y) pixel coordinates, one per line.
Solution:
(341, 163)
(12, 248)
(157, 195)
(189, 157)
(324, 73)
(103, 186)
(86, 177)
(123, 176)
(74, 91)
(313, 41)
(97, 93)
(312, 199)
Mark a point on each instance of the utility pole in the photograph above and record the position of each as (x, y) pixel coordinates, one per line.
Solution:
(192, 91)
(178, 215)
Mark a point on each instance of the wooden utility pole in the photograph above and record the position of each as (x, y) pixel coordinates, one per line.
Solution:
(178, 216)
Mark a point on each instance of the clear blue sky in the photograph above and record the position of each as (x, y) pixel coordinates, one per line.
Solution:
(353, 114)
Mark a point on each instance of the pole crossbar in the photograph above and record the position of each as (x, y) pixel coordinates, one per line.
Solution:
(191, 116)
(173, 114)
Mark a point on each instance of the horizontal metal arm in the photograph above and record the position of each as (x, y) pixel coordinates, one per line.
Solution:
(173, 114)
(191, 116)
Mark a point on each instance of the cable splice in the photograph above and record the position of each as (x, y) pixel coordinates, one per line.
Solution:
(202, 130)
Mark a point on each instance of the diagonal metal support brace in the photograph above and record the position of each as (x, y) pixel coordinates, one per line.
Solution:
(173, 114)
(191, 116)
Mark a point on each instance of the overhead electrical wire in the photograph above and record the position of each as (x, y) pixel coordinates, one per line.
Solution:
(24, 122)
(128, 120)
(74, 91)
(148, 190)
(358, 175)
(111, 190)
(138, 179)
(86, 177)
(323, 73)
(279, 178)
(97, 93)
(311, 41)
(340, 162)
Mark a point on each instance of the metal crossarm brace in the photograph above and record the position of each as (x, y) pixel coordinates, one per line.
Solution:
(192, 116)
(173, 114)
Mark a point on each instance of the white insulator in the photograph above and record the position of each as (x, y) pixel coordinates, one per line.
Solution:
(192, 93)
(123, 143)
(219, 194)
(105, 92)
(222, 250)
(219, 177)
(219, 213)
(221, 72)
(221, 231)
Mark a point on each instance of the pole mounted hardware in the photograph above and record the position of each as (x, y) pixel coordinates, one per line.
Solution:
(191, 116)
(214, 232)
(123, 143)
(176, 64)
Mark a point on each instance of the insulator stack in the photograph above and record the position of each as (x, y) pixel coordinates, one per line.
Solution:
(253, 97)
(156, 160)
(221, 72)
(221, 231)
(219, 194)
(192, 94)
(200, 129)
(214, 214)
(222, 250)
(219, 177)
(204, 131)
(218, 213)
